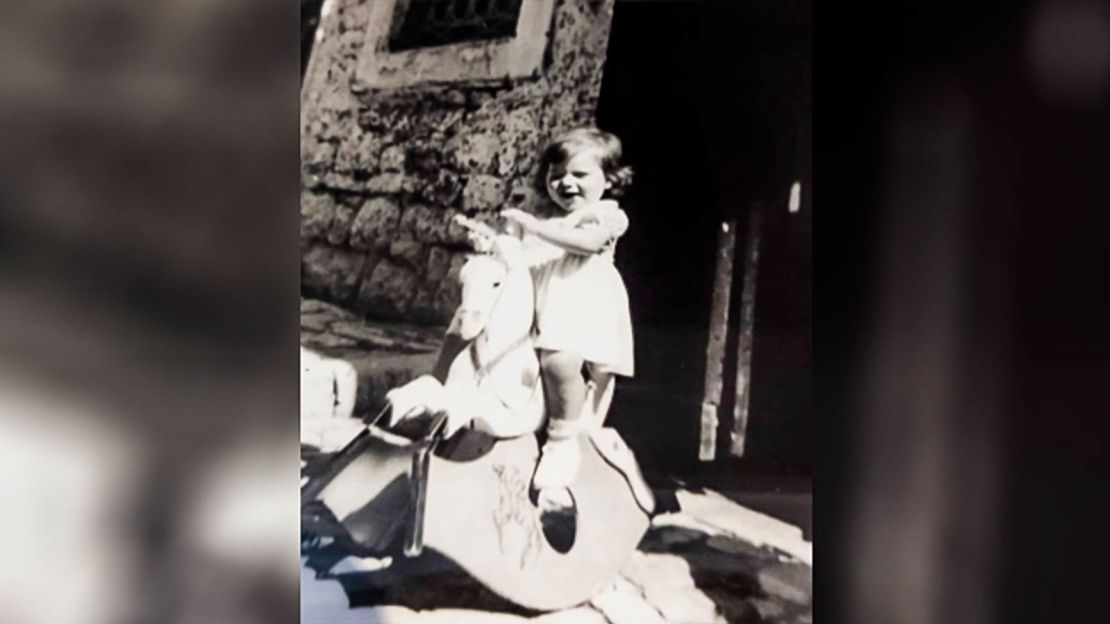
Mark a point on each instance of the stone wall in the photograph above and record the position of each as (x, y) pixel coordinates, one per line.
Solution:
(385, 170)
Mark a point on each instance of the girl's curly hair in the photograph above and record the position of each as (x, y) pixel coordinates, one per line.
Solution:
(608, 148)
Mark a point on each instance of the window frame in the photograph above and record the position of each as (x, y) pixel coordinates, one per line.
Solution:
(520, 56)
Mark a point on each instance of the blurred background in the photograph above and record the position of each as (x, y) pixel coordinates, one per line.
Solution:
(148, 333)
(149, 264)
(961, 155)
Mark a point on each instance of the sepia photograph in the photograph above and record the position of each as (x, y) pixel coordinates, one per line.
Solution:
(556, 311)
(504, 311)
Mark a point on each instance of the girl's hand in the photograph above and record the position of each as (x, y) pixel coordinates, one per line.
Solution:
(520, 218)
(478, 234)
(480, 241)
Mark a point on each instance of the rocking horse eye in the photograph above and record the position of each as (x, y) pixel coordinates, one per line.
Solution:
(497, 284)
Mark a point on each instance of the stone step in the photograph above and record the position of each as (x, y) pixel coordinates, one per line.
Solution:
(383, 355)
(715, 510)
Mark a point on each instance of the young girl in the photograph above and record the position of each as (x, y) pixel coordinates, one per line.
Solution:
(582, 313)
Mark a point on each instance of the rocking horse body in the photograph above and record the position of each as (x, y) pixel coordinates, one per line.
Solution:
(467, 486)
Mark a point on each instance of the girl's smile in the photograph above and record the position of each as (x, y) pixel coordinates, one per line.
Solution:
(578, 182)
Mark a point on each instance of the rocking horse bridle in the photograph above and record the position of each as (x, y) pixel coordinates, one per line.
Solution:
(482, 369)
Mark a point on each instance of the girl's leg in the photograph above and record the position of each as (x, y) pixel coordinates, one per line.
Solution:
(563, 385)
(601, 397)
(565, 393)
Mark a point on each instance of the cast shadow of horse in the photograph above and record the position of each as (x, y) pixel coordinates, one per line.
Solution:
(746, 583)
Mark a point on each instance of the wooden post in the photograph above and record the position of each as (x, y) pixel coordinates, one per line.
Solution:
(718, 334)
(747, 326)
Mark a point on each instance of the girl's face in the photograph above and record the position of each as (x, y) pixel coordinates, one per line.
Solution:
(578, 182)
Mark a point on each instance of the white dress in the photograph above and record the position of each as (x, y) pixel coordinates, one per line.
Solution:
(581, 301)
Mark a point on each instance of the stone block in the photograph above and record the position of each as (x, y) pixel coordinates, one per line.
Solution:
(450, 288)
(340, 228)
(522, 124)
(432, 225)
(317, 213)
(443, 119)
(455, 234)
(381, 119)
(375, 224)
(332, 273)
(473, 153)
(358, 153)
(382, 338)
(413, 254)
(339, 181)
(392, 159)
(388, 291)
(317, 155)
(483, 193)
(439, 262)
(424, 223)
(386, 183)
(424, 308)
(323, 308)
(314, 323)
(506, 159)
(453, 97)
(396, 358)
(327, 343)
(423, 158)
(443, 190)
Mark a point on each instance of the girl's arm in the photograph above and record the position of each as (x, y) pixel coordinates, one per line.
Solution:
(575, 240)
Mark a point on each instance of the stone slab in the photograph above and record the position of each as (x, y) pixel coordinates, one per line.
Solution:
(685, 605)
(714, 509)
(622, 603)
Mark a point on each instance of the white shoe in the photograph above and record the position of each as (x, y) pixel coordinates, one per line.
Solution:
(558, 465)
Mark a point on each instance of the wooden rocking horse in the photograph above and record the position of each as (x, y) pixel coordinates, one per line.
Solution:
(461, 486)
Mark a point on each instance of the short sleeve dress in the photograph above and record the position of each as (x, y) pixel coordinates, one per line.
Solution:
(581, 301)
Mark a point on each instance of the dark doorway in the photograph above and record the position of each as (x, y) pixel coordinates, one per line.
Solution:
(310, 20)
(710, 99)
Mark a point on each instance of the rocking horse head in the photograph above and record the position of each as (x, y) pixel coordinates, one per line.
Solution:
(496, 289)
(483, 279)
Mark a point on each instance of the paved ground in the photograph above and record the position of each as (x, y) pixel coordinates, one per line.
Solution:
(711, 561)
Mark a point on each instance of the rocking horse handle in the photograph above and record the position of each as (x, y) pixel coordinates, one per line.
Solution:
(414, 542)
(475, 226)
(347, 454)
